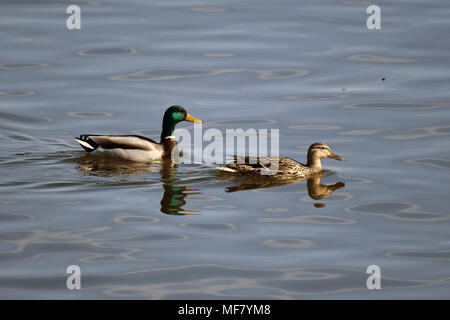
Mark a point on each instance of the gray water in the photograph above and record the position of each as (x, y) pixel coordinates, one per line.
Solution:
(309, 68)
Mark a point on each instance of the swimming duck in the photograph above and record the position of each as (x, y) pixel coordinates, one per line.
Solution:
(139, 148)
(287, 169)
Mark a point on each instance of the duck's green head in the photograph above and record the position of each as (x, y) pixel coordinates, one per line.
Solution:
(172, 116)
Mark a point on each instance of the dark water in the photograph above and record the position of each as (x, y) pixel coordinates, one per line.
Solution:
(310, 68)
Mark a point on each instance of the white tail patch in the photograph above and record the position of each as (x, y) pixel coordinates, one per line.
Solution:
(226, 169)
(85, 144)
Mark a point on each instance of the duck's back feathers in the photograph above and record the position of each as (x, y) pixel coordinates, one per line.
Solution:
(255, 165)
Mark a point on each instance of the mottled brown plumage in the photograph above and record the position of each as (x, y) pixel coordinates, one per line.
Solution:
(282, 168)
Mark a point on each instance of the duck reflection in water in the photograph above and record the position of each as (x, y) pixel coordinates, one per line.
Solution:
(174, 196)
(316, 190)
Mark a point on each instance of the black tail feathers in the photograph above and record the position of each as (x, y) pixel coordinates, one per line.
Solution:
(87, 143)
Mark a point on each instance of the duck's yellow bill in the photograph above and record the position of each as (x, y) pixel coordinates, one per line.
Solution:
(335, 156)
(192, 119)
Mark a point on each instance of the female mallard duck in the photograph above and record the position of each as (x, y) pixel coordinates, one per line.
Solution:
(139, 148)
(282, 168)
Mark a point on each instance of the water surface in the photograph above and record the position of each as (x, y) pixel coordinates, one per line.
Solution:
(312, 69)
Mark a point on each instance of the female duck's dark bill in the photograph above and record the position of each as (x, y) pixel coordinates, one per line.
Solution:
(192, 119)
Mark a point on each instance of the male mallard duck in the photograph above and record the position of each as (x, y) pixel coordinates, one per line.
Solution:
(287, 168)
(139, 148)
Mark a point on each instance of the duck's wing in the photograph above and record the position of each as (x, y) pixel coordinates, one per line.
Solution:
(256, 162)
(250, 165)
(91, 142)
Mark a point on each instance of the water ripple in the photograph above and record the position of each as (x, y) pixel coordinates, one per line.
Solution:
(107, 51)
(422, 254)
(219, 54)
(312, 97)
(397, 106)
(314, 127)
(378, 59)
(21, 66)
(217, 226)
(208, 9)
(12, 217)
(222, 282)
(420, 133)
(290, 243)
(432, 162)
(125, 218)
(23, 118)
(398, 210)
(35, 243)
(90, 114)
(310, 219)
(17, 93)
(172, 74)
